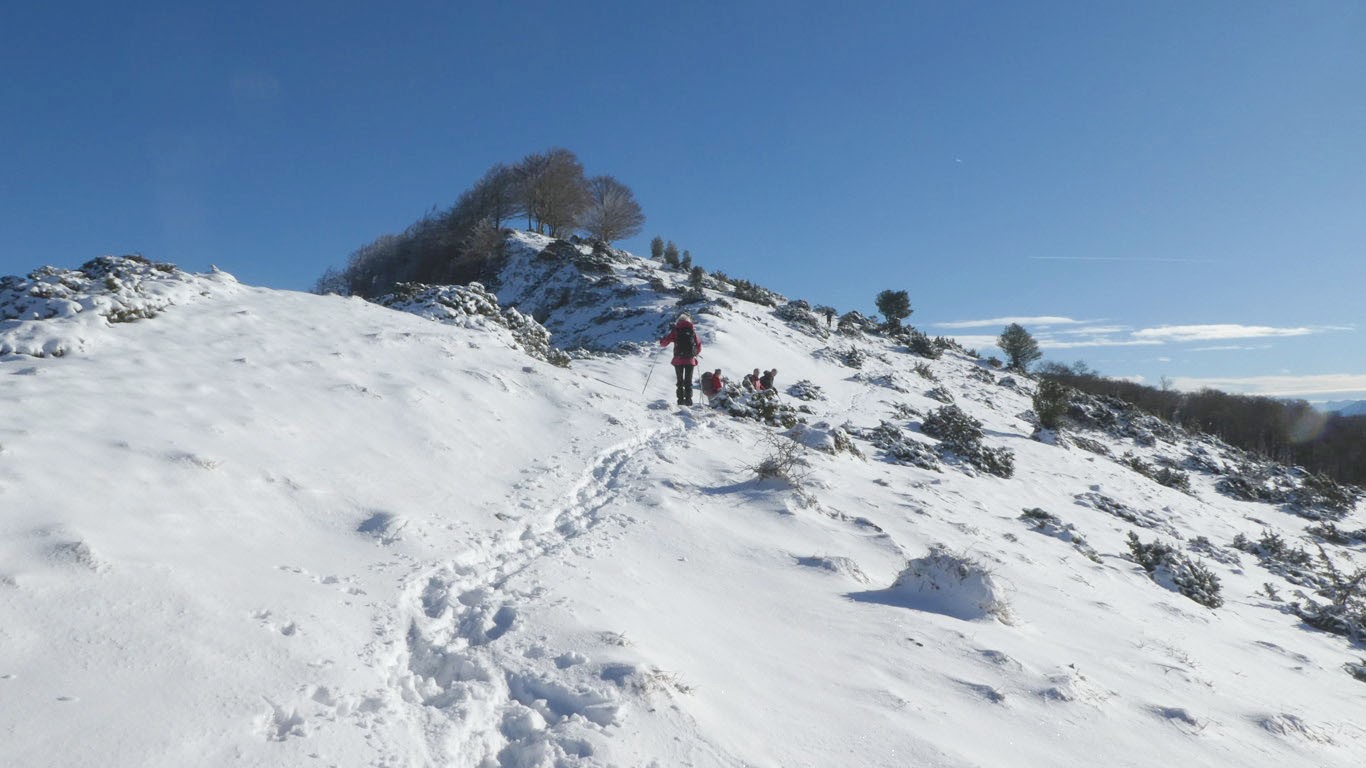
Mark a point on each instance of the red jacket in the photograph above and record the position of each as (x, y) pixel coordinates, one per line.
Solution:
(667, 340)
(711, 384)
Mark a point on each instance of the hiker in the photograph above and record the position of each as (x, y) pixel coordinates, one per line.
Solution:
(712, 383)
(766, 381)
(752, 382)
(829, 316)
(686, 346)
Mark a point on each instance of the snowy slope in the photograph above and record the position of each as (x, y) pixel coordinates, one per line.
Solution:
(268, 528)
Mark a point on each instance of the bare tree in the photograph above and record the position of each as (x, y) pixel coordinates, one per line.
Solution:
(552, 191)
(613, 212)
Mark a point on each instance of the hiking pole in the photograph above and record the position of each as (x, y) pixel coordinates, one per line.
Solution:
(655, 361)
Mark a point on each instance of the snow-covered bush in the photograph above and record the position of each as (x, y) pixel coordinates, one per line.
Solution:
(107, 290)
(799, 315)
(473, 306)
(823, 437)
(805, 390)
(952, 584)
(1162, 475)
(1051, 525)
(765, 406)
(940, 394)
(1292, 563)
(924, 372)
(921, 345)
(854, 357)
(961, 435)
(981, 374)
(855, 323)
(901, 448)
(757, 294)
(1330, 533)
(1099, 501)
(1050, 403)
(1173, 570)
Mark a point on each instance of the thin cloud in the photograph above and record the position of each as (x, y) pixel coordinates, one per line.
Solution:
(1232, 348)
(1044, 320)
(1047, 343)
(1350, 385)
(1220, 332)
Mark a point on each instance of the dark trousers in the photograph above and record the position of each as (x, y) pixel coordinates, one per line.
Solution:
(684, 375)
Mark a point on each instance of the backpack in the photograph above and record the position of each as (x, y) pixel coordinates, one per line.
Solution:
(685, 342)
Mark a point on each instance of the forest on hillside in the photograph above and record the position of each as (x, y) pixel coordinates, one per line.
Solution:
(1287, 431)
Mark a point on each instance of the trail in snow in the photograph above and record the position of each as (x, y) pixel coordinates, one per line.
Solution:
(480, 703)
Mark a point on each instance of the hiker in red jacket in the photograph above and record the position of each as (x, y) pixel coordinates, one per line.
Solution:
(686, 346)
(712, 383)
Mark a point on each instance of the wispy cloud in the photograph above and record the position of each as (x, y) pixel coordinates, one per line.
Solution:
(1043, 320)
(1054, 343)
(1347, 385)
(1218, 332)
(1232, 348)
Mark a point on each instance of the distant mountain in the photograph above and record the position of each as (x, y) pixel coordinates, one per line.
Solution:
(1343, 407)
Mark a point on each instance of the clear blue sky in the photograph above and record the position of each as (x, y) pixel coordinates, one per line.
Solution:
(1182, 186)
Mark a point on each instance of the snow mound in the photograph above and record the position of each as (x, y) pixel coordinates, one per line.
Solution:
(947, 583)
(473, 306)
(842, 566)
(54, 312)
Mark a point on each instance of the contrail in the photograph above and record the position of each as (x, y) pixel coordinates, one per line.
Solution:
(1122, 258)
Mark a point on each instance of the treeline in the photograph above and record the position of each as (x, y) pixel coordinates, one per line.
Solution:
(549, 189)
(1287, 431)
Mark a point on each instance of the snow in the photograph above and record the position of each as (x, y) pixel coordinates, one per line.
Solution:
(271, 528)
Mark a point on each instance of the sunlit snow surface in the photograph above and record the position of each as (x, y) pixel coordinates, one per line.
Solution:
(270, 528)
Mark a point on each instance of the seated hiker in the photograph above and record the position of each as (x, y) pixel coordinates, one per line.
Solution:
(712, 383)
(766, 381)
(751, 381)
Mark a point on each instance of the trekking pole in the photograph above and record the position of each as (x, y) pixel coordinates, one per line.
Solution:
(653, 363)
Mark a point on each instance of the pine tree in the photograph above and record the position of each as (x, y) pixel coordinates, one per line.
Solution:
(1019, 347)
(657, 248)
(671, 254)
(697, 276)
(686, 262)
(895, 306)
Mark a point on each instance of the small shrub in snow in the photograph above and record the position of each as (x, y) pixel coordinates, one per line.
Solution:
(921, 345)
(1291, 563)
(805, 390)
(757, 294)
(1356, 670)
(1050, 403)
(1203, 546)
(784, 460)
(905, 411)
(855, 323)
(1051, 525)
(940, 394)
(473, 306)
(994, 361)
(691, 296)
(765, 406)
(823, 437)
(1168, 567)
(981, 374)
(799, 315)
(925, 372)
(961, 435)
(854, 357)
(1162, 475)
(1099, 501)
(1319, 497)
(901, 448)
(1330, 533)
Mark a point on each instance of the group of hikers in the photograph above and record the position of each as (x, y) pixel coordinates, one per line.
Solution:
(687, 346)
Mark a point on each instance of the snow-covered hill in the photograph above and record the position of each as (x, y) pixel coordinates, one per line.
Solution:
(256, 527)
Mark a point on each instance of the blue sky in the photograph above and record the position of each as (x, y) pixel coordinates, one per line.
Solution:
(1160, 188)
